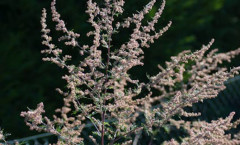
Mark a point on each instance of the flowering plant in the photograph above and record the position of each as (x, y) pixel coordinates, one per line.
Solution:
(100, 90)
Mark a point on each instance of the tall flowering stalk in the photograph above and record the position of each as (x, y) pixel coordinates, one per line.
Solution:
(100, 90)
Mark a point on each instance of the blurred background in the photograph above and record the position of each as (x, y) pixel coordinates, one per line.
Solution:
(25, 80)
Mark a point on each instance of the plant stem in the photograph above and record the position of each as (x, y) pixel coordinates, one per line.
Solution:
(105, 91)
(128, 133)
(103, 131)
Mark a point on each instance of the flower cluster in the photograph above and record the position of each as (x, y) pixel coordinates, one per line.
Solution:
(101, 92)
(202, 133)
(3, 136)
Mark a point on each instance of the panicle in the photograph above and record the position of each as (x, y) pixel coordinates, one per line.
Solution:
(100, 92)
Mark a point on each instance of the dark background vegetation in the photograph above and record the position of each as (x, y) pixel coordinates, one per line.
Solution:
(26, 80)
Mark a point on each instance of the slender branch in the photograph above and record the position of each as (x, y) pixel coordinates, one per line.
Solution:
(137, 137)
(128, 133)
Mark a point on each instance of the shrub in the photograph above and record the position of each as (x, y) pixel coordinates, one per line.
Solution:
(100, 90)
